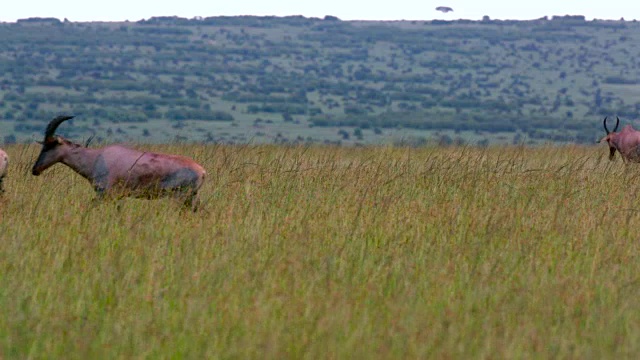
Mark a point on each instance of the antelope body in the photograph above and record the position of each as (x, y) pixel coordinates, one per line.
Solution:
(4, 164)
(118, 171)
(627, 142)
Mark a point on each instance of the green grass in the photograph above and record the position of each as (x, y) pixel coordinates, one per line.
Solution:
(328, 252)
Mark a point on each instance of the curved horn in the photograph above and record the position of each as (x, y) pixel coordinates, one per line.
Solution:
(86, 144)
(53, 125)
(617, 123)
(605, 125)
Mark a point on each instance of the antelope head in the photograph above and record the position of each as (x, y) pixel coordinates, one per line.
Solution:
(610, 138)
(53, 147)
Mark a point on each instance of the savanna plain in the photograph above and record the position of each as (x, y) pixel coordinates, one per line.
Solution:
(330, 252)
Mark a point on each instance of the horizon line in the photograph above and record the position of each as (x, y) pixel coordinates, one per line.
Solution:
(332, 17)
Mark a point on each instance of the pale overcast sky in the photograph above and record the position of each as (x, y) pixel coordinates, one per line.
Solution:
(133, 10)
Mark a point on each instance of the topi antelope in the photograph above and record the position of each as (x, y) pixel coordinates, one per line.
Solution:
(117, 171)
(4, 164)
(627, 142)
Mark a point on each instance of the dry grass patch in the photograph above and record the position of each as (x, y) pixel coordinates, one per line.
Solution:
(330, 252)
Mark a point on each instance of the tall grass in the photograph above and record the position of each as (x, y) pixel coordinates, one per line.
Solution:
(326, 252)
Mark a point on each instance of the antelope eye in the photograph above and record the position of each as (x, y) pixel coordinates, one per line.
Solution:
(50, 144)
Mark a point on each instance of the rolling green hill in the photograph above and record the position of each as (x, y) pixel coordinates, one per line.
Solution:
(297, 79)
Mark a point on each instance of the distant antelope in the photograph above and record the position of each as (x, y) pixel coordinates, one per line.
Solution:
(4, 164)
(627, 142)
(117, 171)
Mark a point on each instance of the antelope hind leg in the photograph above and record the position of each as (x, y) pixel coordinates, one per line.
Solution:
(189, 201)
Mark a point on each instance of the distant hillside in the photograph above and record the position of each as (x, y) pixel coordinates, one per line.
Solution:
(296, 79)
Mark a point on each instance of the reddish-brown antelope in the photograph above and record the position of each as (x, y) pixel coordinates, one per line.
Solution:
(4, 164)
(116, 171)
(627, 142)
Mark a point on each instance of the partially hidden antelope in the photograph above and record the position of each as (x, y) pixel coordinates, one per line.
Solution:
(627, 142)
(4, 164)
(116, 171)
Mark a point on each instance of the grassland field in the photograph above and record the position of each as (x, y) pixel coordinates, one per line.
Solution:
(330, 252)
